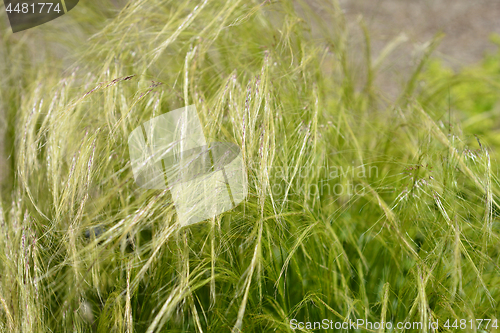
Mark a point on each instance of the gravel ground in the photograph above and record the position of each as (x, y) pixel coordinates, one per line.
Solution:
(466, 24)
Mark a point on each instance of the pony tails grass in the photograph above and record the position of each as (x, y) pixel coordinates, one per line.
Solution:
(358, 207)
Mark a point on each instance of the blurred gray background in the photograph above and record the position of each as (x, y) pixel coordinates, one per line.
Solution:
(466, 25)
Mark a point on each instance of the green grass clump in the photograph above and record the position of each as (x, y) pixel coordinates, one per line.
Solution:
(357, 209)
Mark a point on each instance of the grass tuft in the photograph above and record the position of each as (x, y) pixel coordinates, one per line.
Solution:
(359, 207)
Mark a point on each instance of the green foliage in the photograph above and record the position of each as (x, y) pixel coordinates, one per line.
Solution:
(472, 95)
(356, 209)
